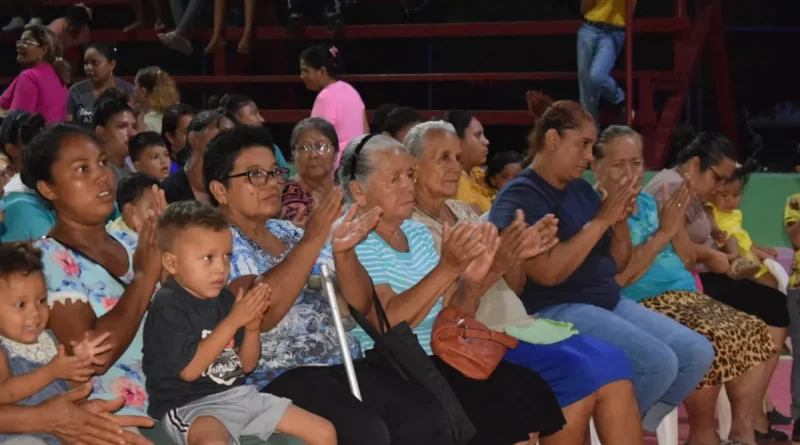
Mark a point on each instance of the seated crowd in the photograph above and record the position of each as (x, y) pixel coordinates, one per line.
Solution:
(171, 258)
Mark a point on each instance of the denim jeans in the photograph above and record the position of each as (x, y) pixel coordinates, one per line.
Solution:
(794, 318)
(668, 359)
(597, 53)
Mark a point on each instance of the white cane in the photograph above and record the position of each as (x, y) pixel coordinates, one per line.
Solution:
(330, 292)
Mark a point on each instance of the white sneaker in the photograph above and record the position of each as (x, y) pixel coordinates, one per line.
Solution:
(14, 25)
(35, 21)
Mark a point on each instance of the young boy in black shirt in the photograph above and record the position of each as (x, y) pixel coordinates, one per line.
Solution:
(200, 341)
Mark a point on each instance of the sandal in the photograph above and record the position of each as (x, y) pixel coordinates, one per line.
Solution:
(743, 268)
(177, 42)
(772, 435)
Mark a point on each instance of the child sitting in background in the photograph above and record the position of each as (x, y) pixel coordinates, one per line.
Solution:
(73, 29)
(149, 154)
(200, 341)
(747, 258)
(33, 366)
(137, 197)
(503, 167)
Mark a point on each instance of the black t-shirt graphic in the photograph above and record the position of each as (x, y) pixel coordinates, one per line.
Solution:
(176, 323)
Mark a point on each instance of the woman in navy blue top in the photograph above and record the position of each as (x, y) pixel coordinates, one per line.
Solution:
(575, 281)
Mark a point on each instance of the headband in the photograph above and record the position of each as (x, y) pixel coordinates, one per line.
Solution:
(354, 159)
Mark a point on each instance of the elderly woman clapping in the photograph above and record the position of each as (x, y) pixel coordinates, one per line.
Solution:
(586, 374)
(414, 283)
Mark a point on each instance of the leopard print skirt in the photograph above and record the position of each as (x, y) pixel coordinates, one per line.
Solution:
(741, 341)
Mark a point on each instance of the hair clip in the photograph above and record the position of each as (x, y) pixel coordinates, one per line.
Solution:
(59, 59)
(334, 51)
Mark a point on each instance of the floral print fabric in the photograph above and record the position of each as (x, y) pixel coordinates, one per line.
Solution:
(306, 336)
(73, 278)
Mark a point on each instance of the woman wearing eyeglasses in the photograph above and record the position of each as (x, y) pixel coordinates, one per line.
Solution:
(42, 86)
(314, 143)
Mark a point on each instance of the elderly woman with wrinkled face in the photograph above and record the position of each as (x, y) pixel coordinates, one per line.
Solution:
(414, 283)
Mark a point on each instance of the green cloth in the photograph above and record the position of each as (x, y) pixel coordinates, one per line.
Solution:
(542, 331)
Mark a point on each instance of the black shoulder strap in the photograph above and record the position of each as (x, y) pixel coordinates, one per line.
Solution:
(80, 253)
(366, 325)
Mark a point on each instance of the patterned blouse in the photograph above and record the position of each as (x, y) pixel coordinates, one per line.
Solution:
(306, 335)
(294, 199)
(71, 277)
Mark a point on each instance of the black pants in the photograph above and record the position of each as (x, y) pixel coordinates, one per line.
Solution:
(393, 411)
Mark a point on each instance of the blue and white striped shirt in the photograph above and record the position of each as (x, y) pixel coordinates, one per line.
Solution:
(401, 271)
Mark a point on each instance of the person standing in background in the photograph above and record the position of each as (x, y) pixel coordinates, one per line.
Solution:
(337, 102)
(99, 63)
(600, 41)
(42, 86)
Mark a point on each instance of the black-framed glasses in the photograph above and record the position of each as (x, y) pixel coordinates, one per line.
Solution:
(321, 148)
(259, 176)
(28, 42)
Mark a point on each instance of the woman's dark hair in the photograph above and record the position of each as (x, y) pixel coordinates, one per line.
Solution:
(538, 103)
(710, 148)
(324, 56)
(499, 161)
(19, 127)
(53, 51)
(161, 87)
(108, 50)
(234, 102)
(111, 103)
(560, 116)
(314, 123)
(460, 119)
(143, 141)
(44, 150)
(222, 152)
(400, 118)
(21, 259)
(379, 118)
(171, 119)
(78, 16)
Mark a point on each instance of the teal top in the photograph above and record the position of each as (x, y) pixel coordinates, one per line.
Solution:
(401, 271)
(667, 273)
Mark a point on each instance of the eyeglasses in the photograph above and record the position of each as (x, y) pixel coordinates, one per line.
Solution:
(321, 148)
(259, 176)
(28, 42)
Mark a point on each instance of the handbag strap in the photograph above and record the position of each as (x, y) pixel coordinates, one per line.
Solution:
(447, 333)
(366, 325)
(83, 255)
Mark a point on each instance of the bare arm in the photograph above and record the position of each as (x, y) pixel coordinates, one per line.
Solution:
(414, 304)
(70, 321)
(685, 249)
(642, 258)
(19, 387)
(731, 247)
(515, 278)
(553, 267)
(250, 350)
(354, 280)
(586, 6)
(621, 246)
(209, 349)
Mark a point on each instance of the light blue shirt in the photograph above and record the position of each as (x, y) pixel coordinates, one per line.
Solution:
(667, 273)
(401, 271)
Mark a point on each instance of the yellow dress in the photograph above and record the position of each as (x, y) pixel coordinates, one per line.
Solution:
(731, 223)
(791, 215)
(475, 191)
(118, 225)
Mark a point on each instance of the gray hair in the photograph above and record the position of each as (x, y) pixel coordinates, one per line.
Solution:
(363, 168)
(415, 139)
(314, 123)
(609, 134)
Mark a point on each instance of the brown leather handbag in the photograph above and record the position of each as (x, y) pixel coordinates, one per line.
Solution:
(468, 345)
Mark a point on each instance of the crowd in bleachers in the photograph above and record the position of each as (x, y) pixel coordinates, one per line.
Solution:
(171, 256)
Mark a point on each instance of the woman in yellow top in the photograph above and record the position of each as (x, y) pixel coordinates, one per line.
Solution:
(472, 187)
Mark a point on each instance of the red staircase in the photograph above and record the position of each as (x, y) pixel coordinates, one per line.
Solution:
(691, 37)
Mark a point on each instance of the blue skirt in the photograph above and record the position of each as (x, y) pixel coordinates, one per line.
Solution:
(574, 368)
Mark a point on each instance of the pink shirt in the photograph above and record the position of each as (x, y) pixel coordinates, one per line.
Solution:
(37, 90)
(341, 105)
(59, 27)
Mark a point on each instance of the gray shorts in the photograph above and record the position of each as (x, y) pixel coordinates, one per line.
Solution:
(243, 410)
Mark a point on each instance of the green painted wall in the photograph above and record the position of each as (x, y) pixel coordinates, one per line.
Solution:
(762, 205)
